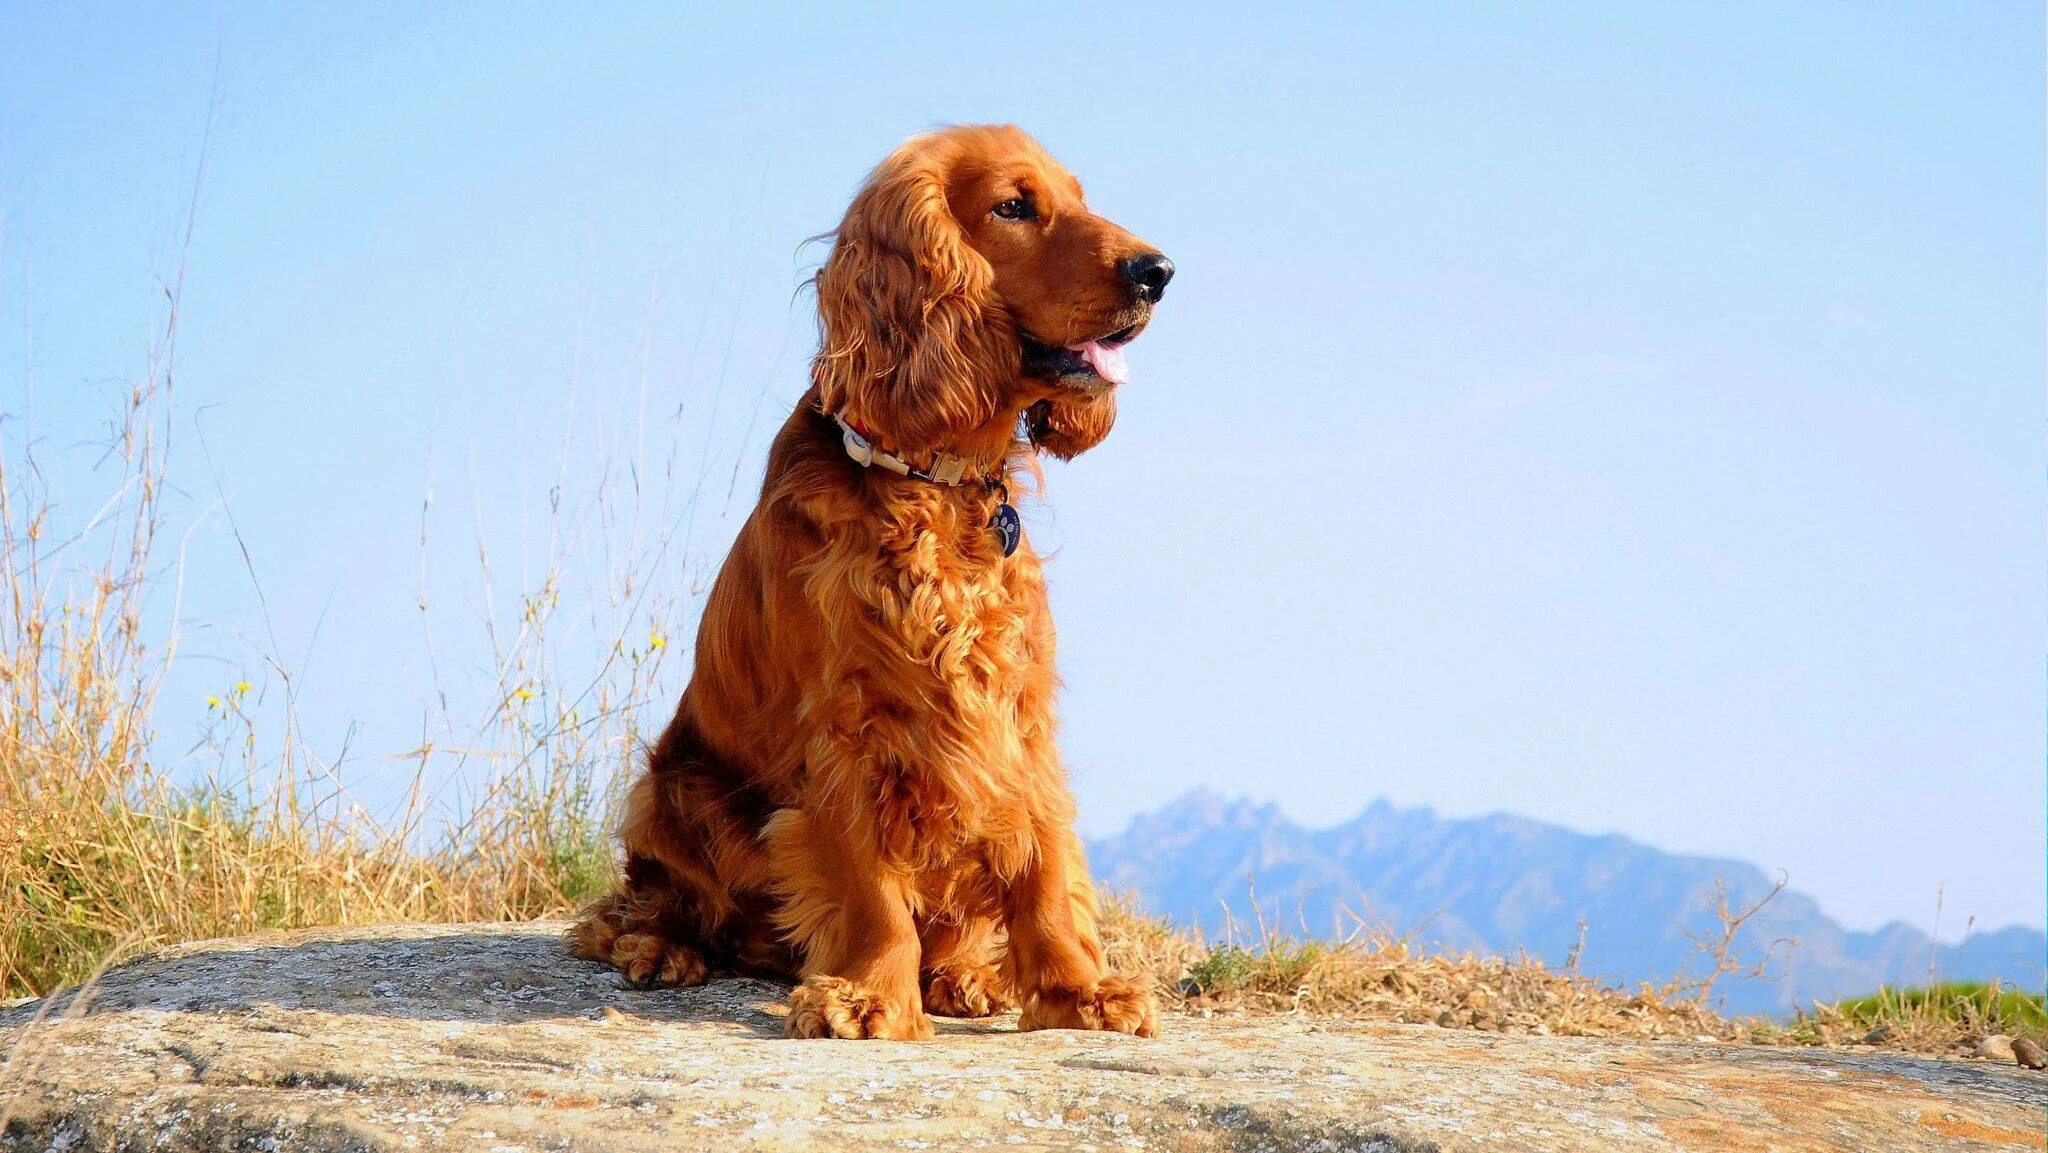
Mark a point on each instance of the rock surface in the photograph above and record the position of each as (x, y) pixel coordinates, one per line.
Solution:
(490, 1037)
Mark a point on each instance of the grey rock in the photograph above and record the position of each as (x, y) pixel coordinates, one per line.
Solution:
(490, 1037)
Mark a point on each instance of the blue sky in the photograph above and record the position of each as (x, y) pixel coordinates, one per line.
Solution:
(1629, 416)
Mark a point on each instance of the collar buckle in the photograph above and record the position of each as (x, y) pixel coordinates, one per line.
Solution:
(946, 469)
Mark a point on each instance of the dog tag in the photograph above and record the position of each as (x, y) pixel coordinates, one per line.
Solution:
(1007, 526)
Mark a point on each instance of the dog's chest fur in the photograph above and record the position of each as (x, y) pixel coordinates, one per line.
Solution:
(947, 670)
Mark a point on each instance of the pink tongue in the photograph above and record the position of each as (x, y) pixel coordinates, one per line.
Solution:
(1106, 360)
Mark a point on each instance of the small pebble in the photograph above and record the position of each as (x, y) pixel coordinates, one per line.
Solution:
(1996, 1047)
(2027, 1052)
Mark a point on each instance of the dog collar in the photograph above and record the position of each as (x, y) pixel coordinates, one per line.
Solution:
(946, 469)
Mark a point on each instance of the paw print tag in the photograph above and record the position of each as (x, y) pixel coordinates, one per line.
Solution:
(1008, 526)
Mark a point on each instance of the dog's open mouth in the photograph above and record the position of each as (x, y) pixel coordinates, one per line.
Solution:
(1086, 363)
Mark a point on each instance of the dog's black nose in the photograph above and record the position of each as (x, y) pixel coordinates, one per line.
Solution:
(1148, 274)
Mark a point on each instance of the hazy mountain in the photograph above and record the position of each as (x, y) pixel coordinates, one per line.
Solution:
(1500, 883)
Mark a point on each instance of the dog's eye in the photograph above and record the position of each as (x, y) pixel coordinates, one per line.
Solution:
(1016, 208)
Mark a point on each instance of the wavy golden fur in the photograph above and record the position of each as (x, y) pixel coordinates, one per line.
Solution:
(860, 789)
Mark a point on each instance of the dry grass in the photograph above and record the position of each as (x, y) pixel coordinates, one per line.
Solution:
(99, 845)
(1375, 975)
(102, 848)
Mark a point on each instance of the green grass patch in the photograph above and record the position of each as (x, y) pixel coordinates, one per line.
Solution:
(1964, 1004)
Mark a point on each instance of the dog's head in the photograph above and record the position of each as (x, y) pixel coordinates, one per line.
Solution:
(968, 283)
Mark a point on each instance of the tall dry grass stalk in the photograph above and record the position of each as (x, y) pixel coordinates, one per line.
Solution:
(101, 845)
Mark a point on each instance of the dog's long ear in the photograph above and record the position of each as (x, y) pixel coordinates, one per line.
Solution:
(914, 349)
(1069, 426)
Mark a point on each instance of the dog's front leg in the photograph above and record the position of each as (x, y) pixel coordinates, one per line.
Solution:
(850, 915)
(1055, 957)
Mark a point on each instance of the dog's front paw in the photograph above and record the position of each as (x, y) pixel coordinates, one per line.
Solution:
(967, 991)
(836, 1007)
(1113, 1005)
(644, 959)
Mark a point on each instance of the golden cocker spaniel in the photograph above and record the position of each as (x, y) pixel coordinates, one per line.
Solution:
(860, 790)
